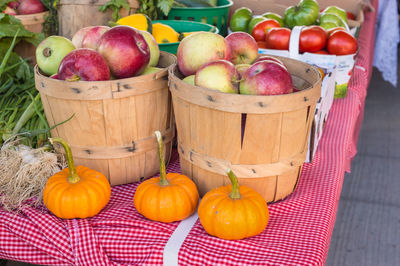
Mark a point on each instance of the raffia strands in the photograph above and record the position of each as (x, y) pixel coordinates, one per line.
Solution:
(23, 174)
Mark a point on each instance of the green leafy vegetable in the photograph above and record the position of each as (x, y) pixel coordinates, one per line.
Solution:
(165, 6)
(20, 106)
(50, 25)
(3, 4)
(115, 6)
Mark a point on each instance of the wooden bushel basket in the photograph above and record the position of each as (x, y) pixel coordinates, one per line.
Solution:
(76, 14)
(113, 126)
(32, 23)
(263, 139)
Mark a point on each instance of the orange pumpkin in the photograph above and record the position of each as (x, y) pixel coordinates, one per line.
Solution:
(233, 212)
(75, 192)
(168, 197)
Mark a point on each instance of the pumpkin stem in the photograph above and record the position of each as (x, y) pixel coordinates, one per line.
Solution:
(235, 193)
(163, 172)
(73, 176)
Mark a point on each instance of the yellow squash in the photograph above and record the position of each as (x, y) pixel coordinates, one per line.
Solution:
(168, 198)
(137, 21)
(76, 192)
(233, 212)
(164, 33)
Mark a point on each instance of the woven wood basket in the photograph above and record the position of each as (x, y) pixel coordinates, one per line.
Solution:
(263, 139)
(112, 130)
(76, 14)
(32, 23)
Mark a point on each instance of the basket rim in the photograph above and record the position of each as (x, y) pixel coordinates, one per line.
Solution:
(41, 14)
(239, 103)
(159, 74)
(230, 3)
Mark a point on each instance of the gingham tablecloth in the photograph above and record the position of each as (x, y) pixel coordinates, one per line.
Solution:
(298, 232)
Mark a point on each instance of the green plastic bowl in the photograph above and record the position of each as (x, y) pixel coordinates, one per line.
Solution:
(182, 26)
(217, 16)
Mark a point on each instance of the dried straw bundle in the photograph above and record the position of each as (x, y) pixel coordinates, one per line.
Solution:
(23, 174)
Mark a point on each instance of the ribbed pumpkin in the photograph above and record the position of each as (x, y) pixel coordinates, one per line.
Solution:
(233, 212)
(75, 192)
(167, 198)
(137, 21)
(164, 33)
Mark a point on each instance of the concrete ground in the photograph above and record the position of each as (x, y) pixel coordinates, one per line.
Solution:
(367, 229)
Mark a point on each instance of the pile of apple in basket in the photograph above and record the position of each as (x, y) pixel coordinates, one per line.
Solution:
(231, 65)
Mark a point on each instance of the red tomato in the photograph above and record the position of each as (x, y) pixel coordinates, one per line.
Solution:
(262, 45)
(330, 31)
(350, 15)
(321, 52)
(312, 39)
(260, 29)
(341, 43)
(278, 38)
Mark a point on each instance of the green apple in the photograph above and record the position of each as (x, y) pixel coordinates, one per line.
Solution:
(189, 79)
(153, 46)
(337, 11)
(150, 69)
(51, 51)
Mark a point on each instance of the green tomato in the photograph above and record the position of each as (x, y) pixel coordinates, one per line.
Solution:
(332, 18)
(240, 19)
(253, 22)
(305, 13)
(337, 11)
(328, 25)
(274, 16)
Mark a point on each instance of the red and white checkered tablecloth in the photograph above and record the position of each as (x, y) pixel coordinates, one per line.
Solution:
(298, 232)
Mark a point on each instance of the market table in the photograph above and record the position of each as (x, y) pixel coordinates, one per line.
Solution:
(298, 232)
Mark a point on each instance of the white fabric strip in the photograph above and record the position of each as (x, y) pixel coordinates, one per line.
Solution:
(171, 249)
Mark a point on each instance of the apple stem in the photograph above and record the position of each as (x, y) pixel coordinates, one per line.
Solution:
(73, 78)
(47, 52)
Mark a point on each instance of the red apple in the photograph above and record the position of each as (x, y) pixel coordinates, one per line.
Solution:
(244, 48)
(92, 37)
(266, 78)
(201, 48)
(125, 51)
(220, 75)
(13, 4)
(10, 11)
(79, 35)
(83, 64)
(54, 76)
(27, 7)
(270, 58)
